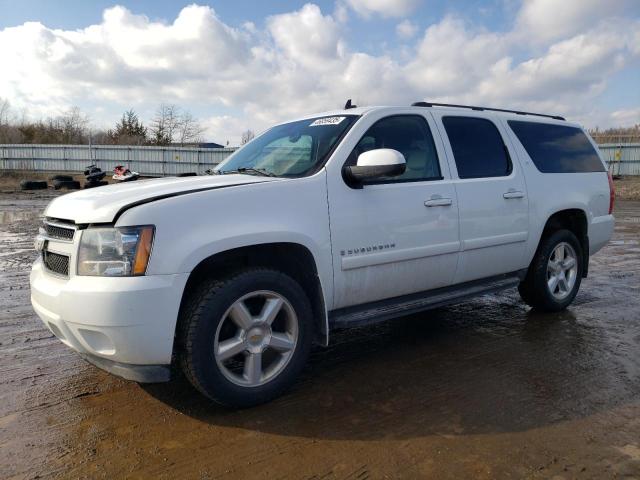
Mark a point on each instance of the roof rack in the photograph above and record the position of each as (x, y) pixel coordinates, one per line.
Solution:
(430, 104)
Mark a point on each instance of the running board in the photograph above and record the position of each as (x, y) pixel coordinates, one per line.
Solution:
(418, 302)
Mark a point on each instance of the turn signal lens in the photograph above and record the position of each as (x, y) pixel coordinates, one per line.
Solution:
(143, 251)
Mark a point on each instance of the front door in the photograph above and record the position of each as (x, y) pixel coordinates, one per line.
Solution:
(396, 235)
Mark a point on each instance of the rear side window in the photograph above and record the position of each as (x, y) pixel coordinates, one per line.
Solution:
(477, 146)
(557, 148)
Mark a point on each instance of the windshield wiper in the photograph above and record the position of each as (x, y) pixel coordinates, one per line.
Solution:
(248, 170)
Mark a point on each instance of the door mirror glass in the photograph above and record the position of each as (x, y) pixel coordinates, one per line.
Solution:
(382, 162)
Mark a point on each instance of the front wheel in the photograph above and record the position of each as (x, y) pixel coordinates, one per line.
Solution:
(554, 276)
(244, 339)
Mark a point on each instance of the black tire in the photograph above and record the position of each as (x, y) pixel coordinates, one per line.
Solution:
(63, 178)
(33, 185)
(187, 174)
(534, 289)
(204, 309)
(66, 184)
(95, 184)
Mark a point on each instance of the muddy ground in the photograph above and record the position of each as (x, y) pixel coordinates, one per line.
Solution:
(487, 389)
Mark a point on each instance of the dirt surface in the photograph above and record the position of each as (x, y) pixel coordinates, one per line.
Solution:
(627, 188)
(487, 389)
(10, 180)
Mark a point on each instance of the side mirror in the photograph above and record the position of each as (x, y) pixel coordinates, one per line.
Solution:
(383, 162)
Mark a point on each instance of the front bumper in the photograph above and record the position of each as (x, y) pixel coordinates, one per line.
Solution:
(124, 325)
(136, 373)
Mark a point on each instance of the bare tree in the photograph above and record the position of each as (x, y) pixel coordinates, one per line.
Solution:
(165, 124)
(5, 110)
(8, 133)
(247, 136)
(189, 130)
(616, 134)
(73, 125)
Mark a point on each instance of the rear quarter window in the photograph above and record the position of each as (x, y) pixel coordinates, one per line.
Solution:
(557, 148)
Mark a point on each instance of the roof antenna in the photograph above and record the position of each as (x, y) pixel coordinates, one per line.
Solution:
(349, 105)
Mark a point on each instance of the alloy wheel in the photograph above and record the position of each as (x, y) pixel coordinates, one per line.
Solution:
(256, 338)
(562, 270)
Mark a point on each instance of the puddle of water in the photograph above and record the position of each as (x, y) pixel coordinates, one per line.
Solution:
(13, 216)
(623, 242)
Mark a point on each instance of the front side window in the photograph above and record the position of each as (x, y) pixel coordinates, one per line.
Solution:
(409, 135)
(293, 149)
(478, 148)
(557, 148)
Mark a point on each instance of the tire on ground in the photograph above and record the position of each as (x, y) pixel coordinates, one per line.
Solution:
(64, 178)
(33, 185)
(200, 315)
(187, 174)
(95, 184)
(66, 184)
(534, 290)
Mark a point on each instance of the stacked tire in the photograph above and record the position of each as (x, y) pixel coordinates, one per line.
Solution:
(66, 184)
(33, 185)
(64, 178)
(95, 184)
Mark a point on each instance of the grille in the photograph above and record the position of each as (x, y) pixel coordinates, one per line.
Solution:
(56, 263)
(57, 231)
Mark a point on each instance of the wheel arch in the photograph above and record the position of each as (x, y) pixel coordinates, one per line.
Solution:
(574, 220)
(293, 259)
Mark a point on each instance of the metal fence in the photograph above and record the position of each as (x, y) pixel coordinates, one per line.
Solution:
(148, 161)
(622, 159)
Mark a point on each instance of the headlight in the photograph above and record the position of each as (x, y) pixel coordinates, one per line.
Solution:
(115, 252)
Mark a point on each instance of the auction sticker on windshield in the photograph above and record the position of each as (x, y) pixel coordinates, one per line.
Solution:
(327, 121)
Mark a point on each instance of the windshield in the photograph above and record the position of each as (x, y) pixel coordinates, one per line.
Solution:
(293, 149)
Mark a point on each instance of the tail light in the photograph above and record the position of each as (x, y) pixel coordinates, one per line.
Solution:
(612, 193)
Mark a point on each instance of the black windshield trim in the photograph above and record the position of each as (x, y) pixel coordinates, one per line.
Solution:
(322, 161)
(320, 164)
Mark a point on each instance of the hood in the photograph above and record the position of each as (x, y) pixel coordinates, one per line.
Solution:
(102, 204)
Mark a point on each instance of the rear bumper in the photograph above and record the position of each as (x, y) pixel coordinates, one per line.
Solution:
(600, 232)
(124, 325)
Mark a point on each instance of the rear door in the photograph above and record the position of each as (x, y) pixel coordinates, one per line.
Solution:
(491, 192)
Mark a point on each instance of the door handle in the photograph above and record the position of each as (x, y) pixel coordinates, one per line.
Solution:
(513, 194)
(438, 202)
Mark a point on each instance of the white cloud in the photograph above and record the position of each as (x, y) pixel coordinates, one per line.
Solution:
(307, 36)
(546, 20)
(249, 77)
(406, 29)
(451, 60)
(384, 8)
(626, 118)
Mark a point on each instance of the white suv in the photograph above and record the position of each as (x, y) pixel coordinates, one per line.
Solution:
(333, 220)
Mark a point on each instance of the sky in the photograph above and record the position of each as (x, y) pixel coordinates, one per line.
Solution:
(238, 65)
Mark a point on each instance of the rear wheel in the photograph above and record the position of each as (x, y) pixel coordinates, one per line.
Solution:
(244, 339)
(554, 276)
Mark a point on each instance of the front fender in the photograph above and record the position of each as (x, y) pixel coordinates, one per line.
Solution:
(195, 226)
